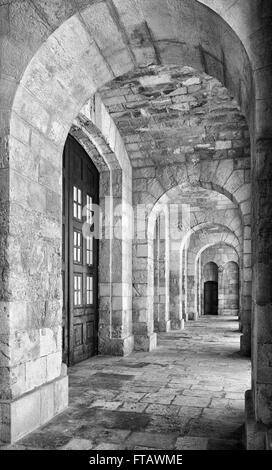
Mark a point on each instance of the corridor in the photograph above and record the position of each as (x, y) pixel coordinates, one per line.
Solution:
(186, 394)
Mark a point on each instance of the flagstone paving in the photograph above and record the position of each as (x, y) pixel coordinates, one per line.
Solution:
(186, 394)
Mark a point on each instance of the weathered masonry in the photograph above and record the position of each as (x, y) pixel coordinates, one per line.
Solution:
(159, 113)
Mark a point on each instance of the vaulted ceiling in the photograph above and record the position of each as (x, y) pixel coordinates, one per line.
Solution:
(169, 114)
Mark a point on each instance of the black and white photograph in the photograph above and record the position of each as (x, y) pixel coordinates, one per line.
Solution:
(135, 231)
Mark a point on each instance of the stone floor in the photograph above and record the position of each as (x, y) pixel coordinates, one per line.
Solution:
(187, 394)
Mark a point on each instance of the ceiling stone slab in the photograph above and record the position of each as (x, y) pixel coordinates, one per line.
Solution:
(169, 114)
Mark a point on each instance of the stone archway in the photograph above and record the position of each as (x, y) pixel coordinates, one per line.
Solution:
(211, 252)
(222, 254)
(203, 238)
(37, 121)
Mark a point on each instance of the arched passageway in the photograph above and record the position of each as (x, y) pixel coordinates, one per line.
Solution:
(148, 87)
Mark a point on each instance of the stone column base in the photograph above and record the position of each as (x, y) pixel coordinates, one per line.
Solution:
(164, 326)
(145, 342)
(255, 433)
(229, 312)
(268, 440)
(245, 345)
(116, 346)
(177, 324)
(23, 415)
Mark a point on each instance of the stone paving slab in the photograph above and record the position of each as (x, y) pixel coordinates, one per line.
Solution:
(158, 409)
(191, 443)
(157, 441)
(78, 444)
(186, 394)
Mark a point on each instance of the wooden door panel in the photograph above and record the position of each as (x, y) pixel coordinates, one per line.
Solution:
(81, 262)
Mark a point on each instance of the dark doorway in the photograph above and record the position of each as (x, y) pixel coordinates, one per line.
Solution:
(79, 255)
(211, 298)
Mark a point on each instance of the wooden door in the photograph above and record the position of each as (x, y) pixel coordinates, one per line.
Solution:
(80, 255)
(211, 298)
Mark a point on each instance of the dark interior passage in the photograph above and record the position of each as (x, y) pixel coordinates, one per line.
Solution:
(210, 298)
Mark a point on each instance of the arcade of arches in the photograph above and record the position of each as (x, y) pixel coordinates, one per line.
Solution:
(160, 113)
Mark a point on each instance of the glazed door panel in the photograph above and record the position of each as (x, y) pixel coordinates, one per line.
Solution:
(80, 256)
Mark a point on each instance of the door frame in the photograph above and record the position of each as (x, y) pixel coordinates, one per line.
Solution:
(69, 263)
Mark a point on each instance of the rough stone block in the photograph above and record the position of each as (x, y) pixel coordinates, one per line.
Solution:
(24, 346)
(223, 145)
(145, 342)
(35, 372)
(78, 444)
(254, 433)
(191, 443)
(26, 413)
(50, 340)
(191, 81)
(47, 402)
(53, 365)
(60, 394)
(268, 440)
(20, 129)
(116, 346)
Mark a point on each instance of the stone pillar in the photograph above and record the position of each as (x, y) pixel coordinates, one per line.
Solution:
(193, 285)
(175, 286)
(143, 282)
(262, 293)
(197, 287)
(161, 316)
(143, 277)
(246, 292)
(167, 273)
(230, 288)
(258, 401)
(115, 291)
(221, 295)
(33, 381)
(202, 281)
(156, 254)
(199, 310)
(260, 398)
(185, 284)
